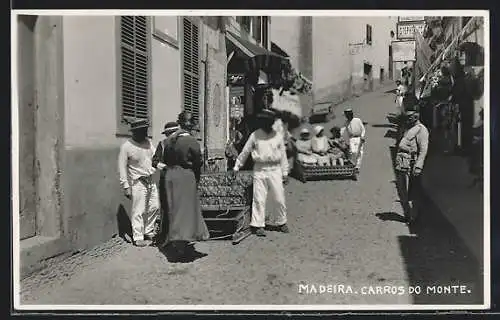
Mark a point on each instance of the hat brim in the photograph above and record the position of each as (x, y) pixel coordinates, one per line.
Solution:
(169, 130)
(139, 127)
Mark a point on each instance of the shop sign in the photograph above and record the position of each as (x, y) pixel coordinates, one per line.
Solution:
(410, 19)
(404, 50)
(407, 30)
(237, 79)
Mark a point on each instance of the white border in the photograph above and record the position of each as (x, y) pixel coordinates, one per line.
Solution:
(371, 13)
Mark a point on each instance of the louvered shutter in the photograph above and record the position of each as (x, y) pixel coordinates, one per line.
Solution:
(191, 68)
(135, 70)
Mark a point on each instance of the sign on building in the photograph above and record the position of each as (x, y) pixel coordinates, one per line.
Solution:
(403, 51)
(407, 30)
(237, 79)
(410, 19)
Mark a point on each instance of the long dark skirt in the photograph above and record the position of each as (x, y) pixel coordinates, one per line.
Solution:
(185, 221)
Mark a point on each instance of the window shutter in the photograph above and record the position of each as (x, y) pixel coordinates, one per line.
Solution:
(191, 68)
(135, 55)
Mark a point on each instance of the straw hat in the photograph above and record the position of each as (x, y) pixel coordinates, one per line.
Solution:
(318, 129)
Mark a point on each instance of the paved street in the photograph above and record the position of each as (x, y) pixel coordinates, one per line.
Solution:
(342, 233)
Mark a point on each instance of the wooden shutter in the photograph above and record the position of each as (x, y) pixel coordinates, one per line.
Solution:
(191, 68)
(135, 70)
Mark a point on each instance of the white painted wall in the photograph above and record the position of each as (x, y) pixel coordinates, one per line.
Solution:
(166, 85)
(331, 62)
(285, 32)
(90, 87)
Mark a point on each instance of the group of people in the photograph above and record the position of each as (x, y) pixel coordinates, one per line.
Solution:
(175, 201)
(345, 144)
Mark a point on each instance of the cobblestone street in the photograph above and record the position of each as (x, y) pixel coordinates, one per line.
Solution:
(342, 232)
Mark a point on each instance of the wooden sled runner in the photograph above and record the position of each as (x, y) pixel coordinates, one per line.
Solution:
(306, 172)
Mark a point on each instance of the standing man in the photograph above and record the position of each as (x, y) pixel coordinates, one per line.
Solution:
(182, 156)
(410, 158)
(136, 170)
(268, 152)
(355, 134)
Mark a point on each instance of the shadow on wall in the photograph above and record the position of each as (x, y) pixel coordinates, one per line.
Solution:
(436, 258)
(93, 197)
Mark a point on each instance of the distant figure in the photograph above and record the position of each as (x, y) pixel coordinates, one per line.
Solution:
(319, 142)
(476, 159)
(304, 148)
(339, 149)
(400, 93)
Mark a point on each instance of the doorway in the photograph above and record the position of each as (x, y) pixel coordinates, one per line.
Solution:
(27, 128)
(391, 64)
(367, 76)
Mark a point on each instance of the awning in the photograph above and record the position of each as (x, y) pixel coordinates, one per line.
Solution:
(259, 58)
(472, 24)
(276, 49)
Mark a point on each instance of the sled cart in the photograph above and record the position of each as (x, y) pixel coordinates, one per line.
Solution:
(305, 172)
(226, 204)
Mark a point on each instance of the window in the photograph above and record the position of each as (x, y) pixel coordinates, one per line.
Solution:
(165, 30)
(191, 67)
(135, 68)
(369, 34)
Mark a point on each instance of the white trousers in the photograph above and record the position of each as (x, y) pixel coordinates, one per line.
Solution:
(356, 149)
(145, 209)
(265, 181)
(399, 103)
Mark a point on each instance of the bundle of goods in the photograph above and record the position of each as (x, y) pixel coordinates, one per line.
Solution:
(224, 190)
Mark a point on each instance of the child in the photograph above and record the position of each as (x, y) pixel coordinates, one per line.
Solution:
(338, 147)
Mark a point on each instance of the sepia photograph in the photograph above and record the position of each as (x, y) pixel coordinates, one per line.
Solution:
(254, 160)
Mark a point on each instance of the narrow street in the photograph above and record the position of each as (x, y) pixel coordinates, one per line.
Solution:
(342, 233)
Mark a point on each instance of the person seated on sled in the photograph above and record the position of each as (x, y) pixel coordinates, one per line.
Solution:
(319, 142)
(339, 148)
(320, 146)
(304, 148)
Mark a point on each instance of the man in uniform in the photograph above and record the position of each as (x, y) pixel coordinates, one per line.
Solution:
(412, 147)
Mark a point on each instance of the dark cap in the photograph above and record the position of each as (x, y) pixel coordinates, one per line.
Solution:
(139, 124)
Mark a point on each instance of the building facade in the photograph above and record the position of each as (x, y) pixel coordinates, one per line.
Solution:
(352, 61)
(342, 56)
